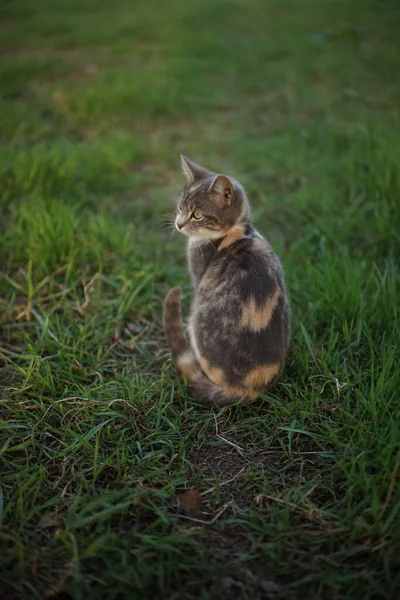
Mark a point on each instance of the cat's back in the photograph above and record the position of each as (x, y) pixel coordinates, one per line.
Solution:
(241, 314)
(246, 272)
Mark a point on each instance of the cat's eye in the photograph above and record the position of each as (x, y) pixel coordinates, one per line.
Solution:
(180, 207)
(197, 215)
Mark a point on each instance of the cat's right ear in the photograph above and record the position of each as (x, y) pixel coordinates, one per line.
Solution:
(191, 170)
(222, 188)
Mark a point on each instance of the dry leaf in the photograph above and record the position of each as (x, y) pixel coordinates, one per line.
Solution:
(190, 503)
(311, 514)
(48, 520)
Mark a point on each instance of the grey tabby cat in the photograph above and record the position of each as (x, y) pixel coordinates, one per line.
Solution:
(239, 326)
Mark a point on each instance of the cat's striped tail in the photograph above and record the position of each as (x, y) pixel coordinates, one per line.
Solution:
(200, 385)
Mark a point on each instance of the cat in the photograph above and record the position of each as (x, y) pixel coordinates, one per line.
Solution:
(239, 327)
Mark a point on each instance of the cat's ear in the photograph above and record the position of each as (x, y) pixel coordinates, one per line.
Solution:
(192, 171)
(222, 187)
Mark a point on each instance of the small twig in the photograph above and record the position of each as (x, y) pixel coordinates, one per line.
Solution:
(41, 419)
(215, 518)
(65, 489)
(211, 489)
(86, 288)
(279, 500)
(301, 509)
(72, 398)
(310, 491)
(216, 424)
(230, 443)
(73, 410)
(120, 400)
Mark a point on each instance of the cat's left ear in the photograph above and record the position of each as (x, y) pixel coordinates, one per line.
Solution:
(223, 189)
(192, 170)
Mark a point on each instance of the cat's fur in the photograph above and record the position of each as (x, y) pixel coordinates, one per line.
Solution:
(239, 326)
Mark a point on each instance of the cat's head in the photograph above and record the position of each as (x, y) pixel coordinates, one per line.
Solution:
(210, 204)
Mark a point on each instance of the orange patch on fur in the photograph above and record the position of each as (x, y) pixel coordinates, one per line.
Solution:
(261, 375)
(240, 393)
(186, 365)
(216, 375)
(257, 318)
(234, 234)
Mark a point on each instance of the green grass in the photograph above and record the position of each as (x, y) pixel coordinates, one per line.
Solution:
(299, 100)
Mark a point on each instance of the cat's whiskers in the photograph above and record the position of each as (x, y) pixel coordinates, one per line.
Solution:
(168, 216)
(168, 221)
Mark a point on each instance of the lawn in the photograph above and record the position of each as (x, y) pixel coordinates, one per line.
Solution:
(100, 441)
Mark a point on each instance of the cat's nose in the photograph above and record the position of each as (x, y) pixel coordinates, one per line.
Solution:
(179, 225)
